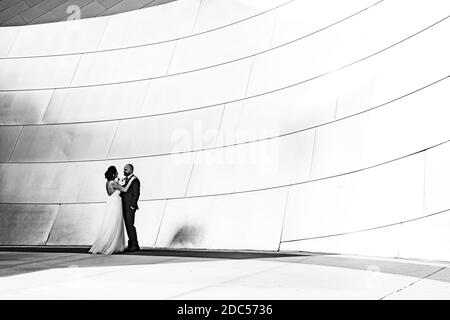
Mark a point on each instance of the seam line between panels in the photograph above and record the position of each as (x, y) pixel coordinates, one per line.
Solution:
(259, 189)
(228, 145)
(74, 72)
(115, 5)
(336, 108)
(219, 129)
(206, 67)
(194, 25)
(169, 64)
(100, 40)
(190, 177)
(424, 182)
(216, 104)
(145, 94)
(113, 139)
(13, 43)
(413, 283)
(53, 224)
(159, 42)
(284, 218)
(249, 77)
(160, 223)
(15, 144)
(370, 229)
(400, 239)
(48, 104)
(313, 154)
(10, 6)
(146, 4)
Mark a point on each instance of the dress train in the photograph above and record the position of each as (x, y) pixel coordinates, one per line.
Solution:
(111, 237)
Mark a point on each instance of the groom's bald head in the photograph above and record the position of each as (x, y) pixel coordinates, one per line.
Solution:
(128, 169)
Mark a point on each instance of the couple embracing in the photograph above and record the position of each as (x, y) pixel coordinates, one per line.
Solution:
(120, 209)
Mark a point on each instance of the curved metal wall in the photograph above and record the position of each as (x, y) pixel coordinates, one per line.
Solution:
(264, 125)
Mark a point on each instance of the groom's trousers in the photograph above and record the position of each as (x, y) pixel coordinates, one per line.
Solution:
(128, 216)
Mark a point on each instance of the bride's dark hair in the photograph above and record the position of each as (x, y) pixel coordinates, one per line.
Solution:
(110, 173)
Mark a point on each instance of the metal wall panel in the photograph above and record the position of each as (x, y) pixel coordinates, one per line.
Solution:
(76, 224)
(349, 91)
(224, 12)
(26, 224)
(437, 182)
(36, 73)
(148, 221)
(93, 182)
(96, 103)
(376, 197)
(8, 139)
(300, 18)
(160, 177)
(84, 141)
(233, 42)
(388, 76)
(241, 221)
(39, 183)
(280, 112)
(381, 242)
(123, 65)
(161, 23)
(426, 238)
(346, 92)
(73, 36)
(251, 166)
(383, 134)
(354, 89)
(347, 142)
(163, 177)
(167, 134)
(197, 89)
(428, 106)
(411, 187)
(23, 107)
(345, 43)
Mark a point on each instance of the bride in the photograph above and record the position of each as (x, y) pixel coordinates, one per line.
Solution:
(110, 236)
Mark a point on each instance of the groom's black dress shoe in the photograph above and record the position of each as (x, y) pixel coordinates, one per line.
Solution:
(132, 249)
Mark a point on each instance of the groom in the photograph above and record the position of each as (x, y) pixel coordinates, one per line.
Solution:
(129, 207)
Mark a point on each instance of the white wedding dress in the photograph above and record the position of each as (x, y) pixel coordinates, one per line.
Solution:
(111, 237)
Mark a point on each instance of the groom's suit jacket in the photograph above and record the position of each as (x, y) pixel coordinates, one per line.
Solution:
(131, 197)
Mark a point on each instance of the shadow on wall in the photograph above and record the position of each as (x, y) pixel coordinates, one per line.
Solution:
(187, 236)
(23, 107)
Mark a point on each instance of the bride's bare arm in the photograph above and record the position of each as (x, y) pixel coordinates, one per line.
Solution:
(117, 186)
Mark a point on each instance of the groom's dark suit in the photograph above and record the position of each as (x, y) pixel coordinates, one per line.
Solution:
(129, 206)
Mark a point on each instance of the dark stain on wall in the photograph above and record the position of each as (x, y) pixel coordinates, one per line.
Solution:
(186, 236)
